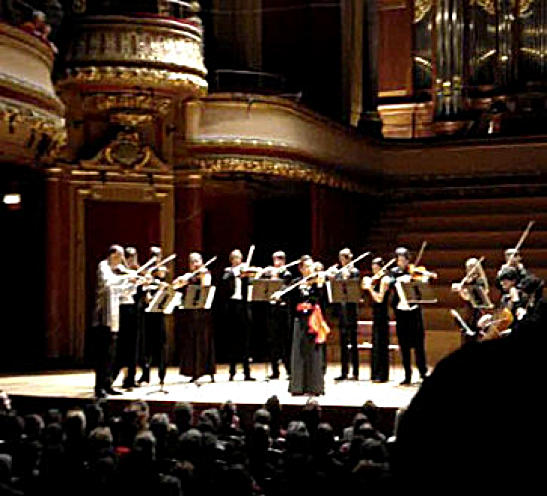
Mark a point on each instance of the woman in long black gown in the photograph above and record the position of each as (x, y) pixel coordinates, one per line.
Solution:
(309, 335)
(197, 336)
(378, 287)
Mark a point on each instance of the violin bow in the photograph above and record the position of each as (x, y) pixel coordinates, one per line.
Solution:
(420, 253)
(471, 271)
(521, 240)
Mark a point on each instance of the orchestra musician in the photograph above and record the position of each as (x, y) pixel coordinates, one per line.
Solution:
(408, 317)
(347, 318)
(155, 338)
(513, 259)
(110, 283)
(126, 354)
(238, 315)
(278, 317)
(146, 329)
(378, 288)
(198, 344)
(474, 290)
(494, 325)
(309, 331)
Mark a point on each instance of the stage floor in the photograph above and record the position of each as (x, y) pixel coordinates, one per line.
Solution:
(78, 384)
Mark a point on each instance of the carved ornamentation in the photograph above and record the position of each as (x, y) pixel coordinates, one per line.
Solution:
(421, 8)
(148, 42)
(137, 76)
(285, 169)
(105, 102)
(490, 5)
(41, 132)
(79, 6)
(126, 153)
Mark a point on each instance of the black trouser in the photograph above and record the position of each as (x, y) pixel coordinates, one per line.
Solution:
(126, 352)
(277, 337)
(410, 334)
(348, 336)
(379, 367)
(238, 319)
(105, 353)
(154, 345)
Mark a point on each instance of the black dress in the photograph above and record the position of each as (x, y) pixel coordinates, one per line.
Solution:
(197, 341)
(307, 356)
(379, 367)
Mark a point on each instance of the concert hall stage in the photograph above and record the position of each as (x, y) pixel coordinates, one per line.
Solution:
(64, 389)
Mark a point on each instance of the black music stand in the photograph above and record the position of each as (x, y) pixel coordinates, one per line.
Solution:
(198, 297)
(418, 293)
(344, 291)
(263, 289)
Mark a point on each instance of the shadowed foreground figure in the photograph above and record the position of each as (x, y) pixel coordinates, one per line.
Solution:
(476, 422)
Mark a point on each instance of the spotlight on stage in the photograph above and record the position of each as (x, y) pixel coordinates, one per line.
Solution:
(12, 201)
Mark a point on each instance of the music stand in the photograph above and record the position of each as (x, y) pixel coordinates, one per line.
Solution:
(418, 293)
(161, 300)
(344, 291)
(198, 297)
(263, 289)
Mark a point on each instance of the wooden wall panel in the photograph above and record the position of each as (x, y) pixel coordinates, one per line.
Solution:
(395, 48)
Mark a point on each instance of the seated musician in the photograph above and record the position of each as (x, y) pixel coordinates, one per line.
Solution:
(474, 291)
(513, 259)
(498, 323)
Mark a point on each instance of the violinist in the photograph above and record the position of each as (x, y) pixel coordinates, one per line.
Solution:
(408, 317)
(309, 333)
(513, 259)
(347, 318)
(126, 354)
(278, 319)
(473, 289)
(378, 288)
(238, 314)
(198, 348)
(106, 319)
(155, 338)
(147, 327)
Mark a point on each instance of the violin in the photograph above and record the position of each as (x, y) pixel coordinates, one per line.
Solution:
(420, 273)
(368, 281)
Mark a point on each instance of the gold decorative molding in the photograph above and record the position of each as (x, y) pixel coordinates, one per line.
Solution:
(421, 8)
(35, 130)
(284, 169)
(144, 50)
(137, 76)
(128, 154)
(101, 102)
(490, 5)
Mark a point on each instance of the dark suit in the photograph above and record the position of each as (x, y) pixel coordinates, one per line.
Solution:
(238, 319)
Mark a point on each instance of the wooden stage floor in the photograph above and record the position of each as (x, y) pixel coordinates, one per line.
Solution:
(78, 385)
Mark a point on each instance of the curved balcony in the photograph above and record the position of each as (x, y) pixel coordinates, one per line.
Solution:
(31, 114)
(124, 51)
